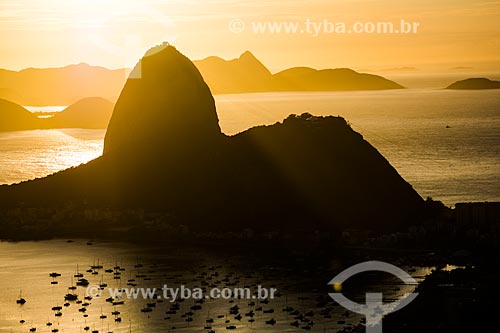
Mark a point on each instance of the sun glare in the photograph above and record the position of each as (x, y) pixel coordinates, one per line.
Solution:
(92, 13)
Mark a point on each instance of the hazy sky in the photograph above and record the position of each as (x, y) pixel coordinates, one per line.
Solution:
(115, 33)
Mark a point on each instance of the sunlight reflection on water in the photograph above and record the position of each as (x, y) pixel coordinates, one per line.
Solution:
(444, 143)
(32, 154)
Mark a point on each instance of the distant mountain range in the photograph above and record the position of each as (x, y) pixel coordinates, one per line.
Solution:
(65, 86)
(60, 86)
(248, 74)
(475, 84)
(90, 113)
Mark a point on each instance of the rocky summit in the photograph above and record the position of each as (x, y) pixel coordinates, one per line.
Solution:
(164, 102)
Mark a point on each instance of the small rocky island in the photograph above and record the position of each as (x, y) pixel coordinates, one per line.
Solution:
(475, 84)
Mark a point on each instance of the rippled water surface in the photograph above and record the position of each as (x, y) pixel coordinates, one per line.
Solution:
(445, 143)
(25, 269)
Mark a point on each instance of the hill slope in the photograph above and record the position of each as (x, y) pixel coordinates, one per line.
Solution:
(14, 117)
(92, 112)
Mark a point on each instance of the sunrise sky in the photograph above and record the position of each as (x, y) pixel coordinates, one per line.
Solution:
(115, 33)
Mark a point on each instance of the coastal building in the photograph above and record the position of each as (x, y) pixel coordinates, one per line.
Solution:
(477, 214)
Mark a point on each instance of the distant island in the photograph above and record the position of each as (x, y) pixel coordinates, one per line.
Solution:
(246, 74)
(90, 113)
(299, 176)
(14, 117)
(475, 84)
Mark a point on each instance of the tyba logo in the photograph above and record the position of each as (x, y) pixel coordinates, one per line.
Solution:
(374, 309)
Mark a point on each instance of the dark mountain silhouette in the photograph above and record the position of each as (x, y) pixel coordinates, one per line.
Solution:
(14, 117)
(65, 86)
(475, 84)
(92, 112)
(164, 151)
(315, 169)
(169, 103)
